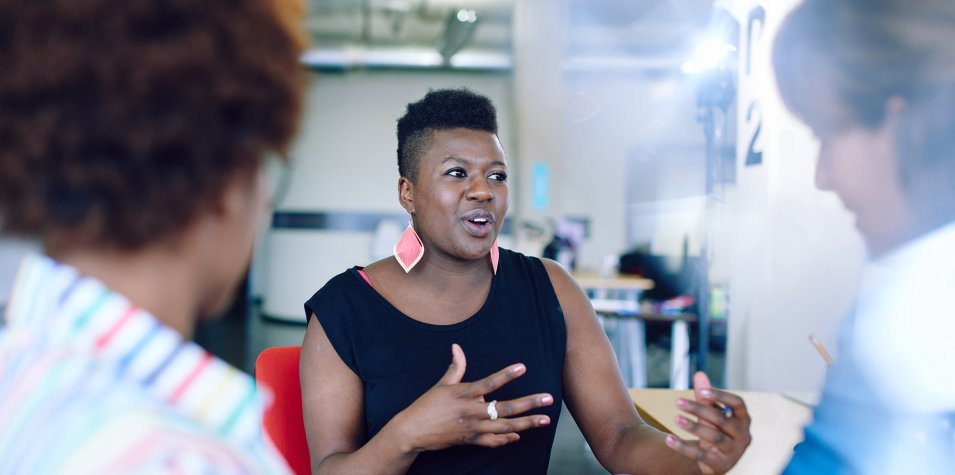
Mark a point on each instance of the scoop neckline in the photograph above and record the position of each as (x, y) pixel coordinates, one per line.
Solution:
(394, 311)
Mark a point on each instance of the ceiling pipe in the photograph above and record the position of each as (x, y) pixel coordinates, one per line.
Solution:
(405, 58)
(458, 30)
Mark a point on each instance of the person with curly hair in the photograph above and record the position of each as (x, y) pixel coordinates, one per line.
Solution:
(377, 392)
(134, 136)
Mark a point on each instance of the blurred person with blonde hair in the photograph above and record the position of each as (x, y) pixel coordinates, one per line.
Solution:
(875, 80)
(134, 138)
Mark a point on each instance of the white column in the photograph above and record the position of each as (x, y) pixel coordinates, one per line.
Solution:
(539, 27)
(796, 256)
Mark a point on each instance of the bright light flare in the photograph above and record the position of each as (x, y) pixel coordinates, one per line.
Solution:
(710, 54)
(467, 16)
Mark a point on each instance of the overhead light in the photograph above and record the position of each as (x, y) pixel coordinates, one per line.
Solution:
(709, 55)
(457, 32)
(467, 16)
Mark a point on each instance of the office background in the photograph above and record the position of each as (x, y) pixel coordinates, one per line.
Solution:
(602, 123)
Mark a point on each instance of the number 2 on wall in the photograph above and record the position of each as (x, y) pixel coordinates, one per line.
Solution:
(754, 151)
(754, 32)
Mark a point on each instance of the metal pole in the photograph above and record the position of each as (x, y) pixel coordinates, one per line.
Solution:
(703, 265)
(715, 94)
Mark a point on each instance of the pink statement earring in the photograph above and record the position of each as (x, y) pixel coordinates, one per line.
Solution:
(409, 249)
(495, 254)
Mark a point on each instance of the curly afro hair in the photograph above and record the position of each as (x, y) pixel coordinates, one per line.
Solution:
(440, 109)
(122, 121)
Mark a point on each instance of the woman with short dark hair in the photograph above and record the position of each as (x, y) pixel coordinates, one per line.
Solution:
(378, 394)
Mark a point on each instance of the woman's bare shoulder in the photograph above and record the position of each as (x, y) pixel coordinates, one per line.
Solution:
(383, 270)
(381, 265)
(559, 277)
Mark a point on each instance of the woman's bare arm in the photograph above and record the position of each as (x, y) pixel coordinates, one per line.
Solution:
(595, 395)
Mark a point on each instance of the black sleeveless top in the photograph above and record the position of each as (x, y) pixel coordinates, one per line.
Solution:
(398, 358)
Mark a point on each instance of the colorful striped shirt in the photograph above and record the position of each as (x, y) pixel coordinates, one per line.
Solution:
(89, 383)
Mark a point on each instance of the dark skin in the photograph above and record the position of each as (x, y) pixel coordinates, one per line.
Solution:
(462, 175)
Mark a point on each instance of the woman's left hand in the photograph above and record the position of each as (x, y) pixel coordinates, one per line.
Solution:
(722, 424)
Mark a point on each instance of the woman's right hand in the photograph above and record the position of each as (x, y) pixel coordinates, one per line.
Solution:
(455, 413)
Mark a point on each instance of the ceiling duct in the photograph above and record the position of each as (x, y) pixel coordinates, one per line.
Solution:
(410, 34)
(598, 35)
(458, 30)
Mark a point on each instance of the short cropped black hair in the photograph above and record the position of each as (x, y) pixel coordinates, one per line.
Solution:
(440, 109)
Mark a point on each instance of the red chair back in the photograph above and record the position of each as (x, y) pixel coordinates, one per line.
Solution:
(277, 368)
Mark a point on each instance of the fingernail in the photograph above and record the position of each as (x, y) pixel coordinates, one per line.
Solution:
(706, 393)
(518, 369)
(547, 399)
(543, 421)
(682, 421)
(671, 441)
(681, 402)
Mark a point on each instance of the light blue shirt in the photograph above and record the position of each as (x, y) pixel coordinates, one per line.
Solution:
(888, 404)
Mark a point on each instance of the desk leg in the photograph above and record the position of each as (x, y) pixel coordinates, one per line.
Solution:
(627, 337)
(634, 347)
(680, 356)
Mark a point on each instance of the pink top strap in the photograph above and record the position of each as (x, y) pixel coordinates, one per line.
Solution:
(363, 276)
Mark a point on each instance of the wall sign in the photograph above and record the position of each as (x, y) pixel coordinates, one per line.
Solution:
(753, 125)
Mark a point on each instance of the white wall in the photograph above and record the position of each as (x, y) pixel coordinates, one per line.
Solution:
(643, 123)
(588, 125)
(345, 149)
(796, 256)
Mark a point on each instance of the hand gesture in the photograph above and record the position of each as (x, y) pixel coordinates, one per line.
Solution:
(722, 424)
(456, 413)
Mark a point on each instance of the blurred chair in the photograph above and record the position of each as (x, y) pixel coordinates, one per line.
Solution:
(277, 368)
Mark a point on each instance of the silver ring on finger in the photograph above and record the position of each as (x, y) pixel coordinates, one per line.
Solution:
(492, 410)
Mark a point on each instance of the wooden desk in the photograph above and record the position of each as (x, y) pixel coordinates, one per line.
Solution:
(612, 294)
(617, 282)
(777, 424)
